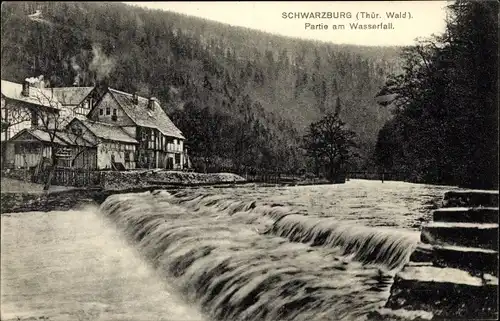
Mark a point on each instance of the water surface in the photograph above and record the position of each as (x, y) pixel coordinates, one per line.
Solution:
(310, 253)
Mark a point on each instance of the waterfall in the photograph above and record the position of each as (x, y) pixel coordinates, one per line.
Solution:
(295, 268)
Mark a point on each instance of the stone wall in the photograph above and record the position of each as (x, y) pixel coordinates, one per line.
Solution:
(113, 180)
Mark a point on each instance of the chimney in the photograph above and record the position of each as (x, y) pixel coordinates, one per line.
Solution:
(135, 98)
(151, 103)
(26, 89)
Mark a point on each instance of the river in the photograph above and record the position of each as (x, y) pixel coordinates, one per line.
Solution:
(324, 252)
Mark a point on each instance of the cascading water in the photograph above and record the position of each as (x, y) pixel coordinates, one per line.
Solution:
(247, 260)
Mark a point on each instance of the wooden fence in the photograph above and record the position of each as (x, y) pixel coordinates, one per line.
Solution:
(64, 176)
(380, 176)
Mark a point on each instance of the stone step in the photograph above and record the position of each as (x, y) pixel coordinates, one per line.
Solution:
(466, 214)
(474, 260)
(422, 253)
(461, 234)
(445, 292)
(471, 198)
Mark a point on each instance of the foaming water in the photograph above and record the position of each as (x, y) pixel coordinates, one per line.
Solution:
(389, 247)
(245, 258)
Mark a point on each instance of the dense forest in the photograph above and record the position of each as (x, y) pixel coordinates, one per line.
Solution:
(445, 125)
(243, 98)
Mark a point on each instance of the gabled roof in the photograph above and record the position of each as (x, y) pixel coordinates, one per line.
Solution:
(142, 116)
(71, 95)
(37, 96)
(107, 131)
(75, 140)
(40, 135)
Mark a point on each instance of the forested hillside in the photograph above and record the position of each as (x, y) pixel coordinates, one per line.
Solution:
(242, 97)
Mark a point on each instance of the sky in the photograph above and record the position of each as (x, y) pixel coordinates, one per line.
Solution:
(423, 18)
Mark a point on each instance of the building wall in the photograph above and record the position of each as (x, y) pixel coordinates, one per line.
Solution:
(106, 151)
(29, 154)
(105, 110)
(16, 112)
(84, 107)
(86, 159)
(21, 116)
(159, 151)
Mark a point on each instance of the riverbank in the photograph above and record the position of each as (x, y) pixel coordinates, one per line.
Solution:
(20, 196)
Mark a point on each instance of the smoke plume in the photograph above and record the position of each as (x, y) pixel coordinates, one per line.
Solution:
(101, 65)
(36, 81)
(77, 69)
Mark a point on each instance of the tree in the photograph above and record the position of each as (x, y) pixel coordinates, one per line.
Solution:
(445, 103)
(329, 143)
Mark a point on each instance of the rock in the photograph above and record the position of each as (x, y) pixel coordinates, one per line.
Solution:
(472, 198)
(446, 292)
(464, 214)
(461, 234)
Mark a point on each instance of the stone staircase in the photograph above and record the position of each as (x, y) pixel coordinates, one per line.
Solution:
(453, 272)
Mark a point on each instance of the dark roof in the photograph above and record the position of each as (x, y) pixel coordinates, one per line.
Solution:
(71, 95)
(142, 116)
(108, 131)
(40, 135)
(76, 140)
(37, 96)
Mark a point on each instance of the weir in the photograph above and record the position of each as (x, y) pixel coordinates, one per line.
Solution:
(453, 272)
(244, 260)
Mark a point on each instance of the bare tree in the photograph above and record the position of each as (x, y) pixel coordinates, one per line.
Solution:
(53, 119)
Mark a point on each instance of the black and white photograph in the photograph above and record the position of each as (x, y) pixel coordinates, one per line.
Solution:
(249, 161)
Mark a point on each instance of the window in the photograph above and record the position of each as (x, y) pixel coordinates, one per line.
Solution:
(177, 158)
(108, 111)
(127, 156)
(114, 117)
(101, 111)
